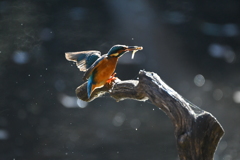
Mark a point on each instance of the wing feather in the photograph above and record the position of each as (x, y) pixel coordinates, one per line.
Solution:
(83, 59)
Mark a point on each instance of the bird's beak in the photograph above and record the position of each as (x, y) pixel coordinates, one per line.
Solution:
(134, 49)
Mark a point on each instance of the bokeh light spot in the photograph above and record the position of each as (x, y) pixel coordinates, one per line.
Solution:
(208, 85)
(211, 29)
(217, 94)
(118, 119)
(215, 50)
(20, 57)
(220, 51)
(59, 85)
(236, 97)
(227, 157)
(3, 134)
(135, 123)
(81, 103)
(77, 13)
(68, 101)
(222, 145)
(226, 30)
(199, 80)
(175, 17)
(230, 30)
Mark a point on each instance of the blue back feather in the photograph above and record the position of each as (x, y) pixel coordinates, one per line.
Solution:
(89, 85)
(91, 59)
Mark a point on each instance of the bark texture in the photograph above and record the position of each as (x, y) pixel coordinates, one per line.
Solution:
(197, 132)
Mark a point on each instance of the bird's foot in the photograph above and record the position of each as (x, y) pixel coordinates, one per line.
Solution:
(112, 78)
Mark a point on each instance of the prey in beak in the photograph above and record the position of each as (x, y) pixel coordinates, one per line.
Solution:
(134, 49)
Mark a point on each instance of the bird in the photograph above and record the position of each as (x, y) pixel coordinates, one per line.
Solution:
(99, 69)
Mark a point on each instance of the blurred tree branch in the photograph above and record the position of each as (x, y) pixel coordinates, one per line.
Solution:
(197, 132)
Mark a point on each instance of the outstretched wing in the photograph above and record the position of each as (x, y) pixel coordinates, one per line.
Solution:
(83, 59)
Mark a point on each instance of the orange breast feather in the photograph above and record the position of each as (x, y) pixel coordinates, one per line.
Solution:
(104, 70)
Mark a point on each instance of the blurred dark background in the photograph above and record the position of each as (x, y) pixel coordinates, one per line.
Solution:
(192, 45)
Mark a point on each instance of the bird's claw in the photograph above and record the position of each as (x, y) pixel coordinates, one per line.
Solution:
(111, 78)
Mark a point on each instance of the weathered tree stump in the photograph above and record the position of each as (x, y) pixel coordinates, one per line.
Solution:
(197, 132)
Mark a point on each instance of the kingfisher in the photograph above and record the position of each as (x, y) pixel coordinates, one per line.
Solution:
(98, 69)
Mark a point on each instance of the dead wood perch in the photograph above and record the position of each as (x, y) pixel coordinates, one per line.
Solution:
(197, 132)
